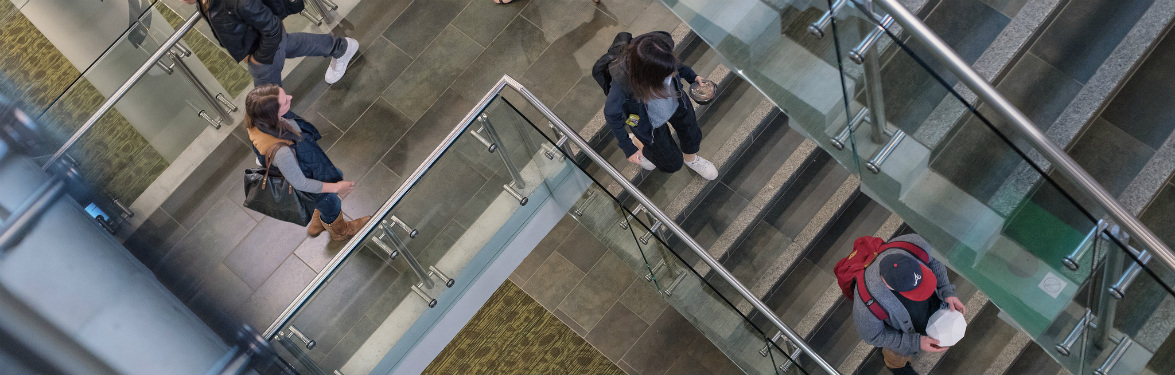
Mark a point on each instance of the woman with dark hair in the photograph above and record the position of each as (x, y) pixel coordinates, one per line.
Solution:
(646, 93)
(283, 140)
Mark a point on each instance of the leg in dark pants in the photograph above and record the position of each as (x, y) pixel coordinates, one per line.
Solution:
(662, 150)
(295, 45)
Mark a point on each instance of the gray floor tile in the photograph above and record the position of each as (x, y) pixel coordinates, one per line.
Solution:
(519, 46)
(582, 248)
(361, 147)
(570, 323)
(600, 289)
(210, 181)
(330, 133)
(643, 300)
(716, 212)
(558, 17)
(305, 83)
(369, 74)
(616, 332)
(372, 191)
(264, 249)
(316, 252)
(626, 12)
(583, 102)
(579, 41)
(419, 86)
(480, 201)
(713, 361)
(218, 300)
(436, 198)
(687, 365)
(421, 22)
(392, 296)
(1113, 157)
(484, 20)
(1082, 35)
(553, 280)
(1134, 108)
(545, 248)
(368, 20)
(155, 238)
(436, 248)
(225, 225)
(427, 133)
(268, 301)
(662, 344)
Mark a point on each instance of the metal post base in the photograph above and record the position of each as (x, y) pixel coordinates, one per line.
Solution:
(874, 164)
(432, 302)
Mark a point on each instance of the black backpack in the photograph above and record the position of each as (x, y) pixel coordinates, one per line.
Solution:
(283, 8)
(600, 68)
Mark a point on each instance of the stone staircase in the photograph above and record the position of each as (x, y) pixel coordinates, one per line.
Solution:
(783, 211)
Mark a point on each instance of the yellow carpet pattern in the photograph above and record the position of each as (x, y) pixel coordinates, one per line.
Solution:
(514, 334)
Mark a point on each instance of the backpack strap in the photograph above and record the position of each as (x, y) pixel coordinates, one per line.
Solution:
(871, 303)
(913, 249)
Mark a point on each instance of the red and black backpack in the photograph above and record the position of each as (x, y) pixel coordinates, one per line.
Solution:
(850, 270)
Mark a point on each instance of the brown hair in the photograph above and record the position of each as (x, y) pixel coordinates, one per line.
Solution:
(649, 60)
(261, 107)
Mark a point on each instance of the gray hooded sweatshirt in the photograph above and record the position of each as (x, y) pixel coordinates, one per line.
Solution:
(896, 333)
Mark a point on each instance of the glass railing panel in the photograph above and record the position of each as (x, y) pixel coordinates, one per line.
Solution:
(668, 276)
(148, 128)
(427, 249)
(962, 178)
(767, 42)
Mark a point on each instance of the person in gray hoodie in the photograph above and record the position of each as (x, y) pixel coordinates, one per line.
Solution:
(909, 292)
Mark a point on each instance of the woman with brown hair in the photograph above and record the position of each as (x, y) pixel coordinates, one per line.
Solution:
(646, 93)
(283, 140)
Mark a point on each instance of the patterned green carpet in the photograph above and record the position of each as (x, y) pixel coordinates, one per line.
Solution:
(513, 334)
(114, 157)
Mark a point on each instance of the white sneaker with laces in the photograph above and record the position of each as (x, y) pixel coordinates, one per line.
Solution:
(646, 164)
(338, 66)
(704, 168)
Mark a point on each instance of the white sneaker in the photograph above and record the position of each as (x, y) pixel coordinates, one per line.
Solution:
(704, 168)
(646, 164)
(338, 66)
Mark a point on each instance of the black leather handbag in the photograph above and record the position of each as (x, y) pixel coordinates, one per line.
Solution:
(267, 192)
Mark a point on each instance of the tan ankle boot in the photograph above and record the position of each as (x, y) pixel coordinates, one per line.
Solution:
(341, 230)
(316, 225)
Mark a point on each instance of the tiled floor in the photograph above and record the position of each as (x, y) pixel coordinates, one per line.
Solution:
(595, 293)
(420, 68)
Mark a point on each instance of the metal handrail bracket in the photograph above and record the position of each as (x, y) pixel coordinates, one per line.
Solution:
(583, 145)
(940, 51)
(126, 87)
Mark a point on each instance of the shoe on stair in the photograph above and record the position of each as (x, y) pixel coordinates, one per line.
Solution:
(704, 168)
(338, 66)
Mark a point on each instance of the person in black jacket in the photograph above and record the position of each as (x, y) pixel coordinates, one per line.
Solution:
(645, 95)
(249, 30)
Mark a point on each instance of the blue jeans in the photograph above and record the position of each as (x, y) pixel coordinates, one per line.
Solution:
(295, 45)
(329, 205)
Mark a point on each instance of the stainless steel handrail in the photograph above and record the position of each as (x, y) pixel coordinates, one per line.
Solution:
(383, 211)
(122, 90)
(1040, 142)
(668, 222)
(583, 145)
